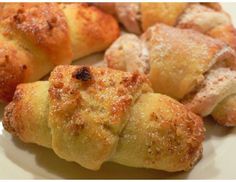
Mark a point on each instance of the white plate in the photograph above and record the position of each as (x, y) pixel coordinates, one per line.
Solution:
(28, 161)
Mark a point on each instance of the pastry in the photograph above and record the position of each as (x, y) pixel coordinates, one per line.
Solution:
(35, 37)
(92, 115)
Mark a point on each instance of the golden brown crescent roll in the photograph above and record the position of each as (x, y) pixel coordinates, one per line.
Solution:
(184, 64)
(93, 115)
(35, 37)
(208, 18)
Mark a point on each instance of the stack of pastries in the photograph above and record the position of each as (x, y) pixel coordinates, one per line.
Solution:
(145, 109)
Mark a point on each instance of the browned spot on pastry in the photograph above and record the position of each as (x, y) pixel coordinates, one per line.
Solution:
(20, 11)
(6, 57)
(19, 17)
(155, 117)
(131, 81)
(24, 67)
(76, 127)
(58, 85)
(52, 23)
(83, 74)
(7, 119)
(121, 105)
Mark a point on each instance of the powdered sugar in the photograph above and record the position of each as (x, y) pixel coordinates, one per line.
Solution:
(218, 84)
(201, 18)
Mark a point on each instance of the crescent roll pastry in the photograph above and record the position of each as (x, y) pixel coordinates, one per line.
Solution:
(35, 37)
(92, 115)
(208, 18)
(214, 23)
(186, 65)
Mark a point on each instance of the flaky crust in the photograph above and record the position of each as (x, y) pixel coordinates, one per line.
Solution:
(43, 35)
(92, 115)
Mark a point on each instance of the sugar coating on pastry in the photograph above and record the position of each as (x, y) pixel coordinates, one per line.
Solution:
(180, 58)
(128, 53)
(202, 18)
(159, 127)
(92, 115)
(129, 15)
(88, 110)
(218, 84)
(36, 37)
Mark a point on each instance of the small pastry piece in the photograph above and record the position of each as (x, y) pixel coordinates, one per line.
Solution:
(35, 37)
(93, 115)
